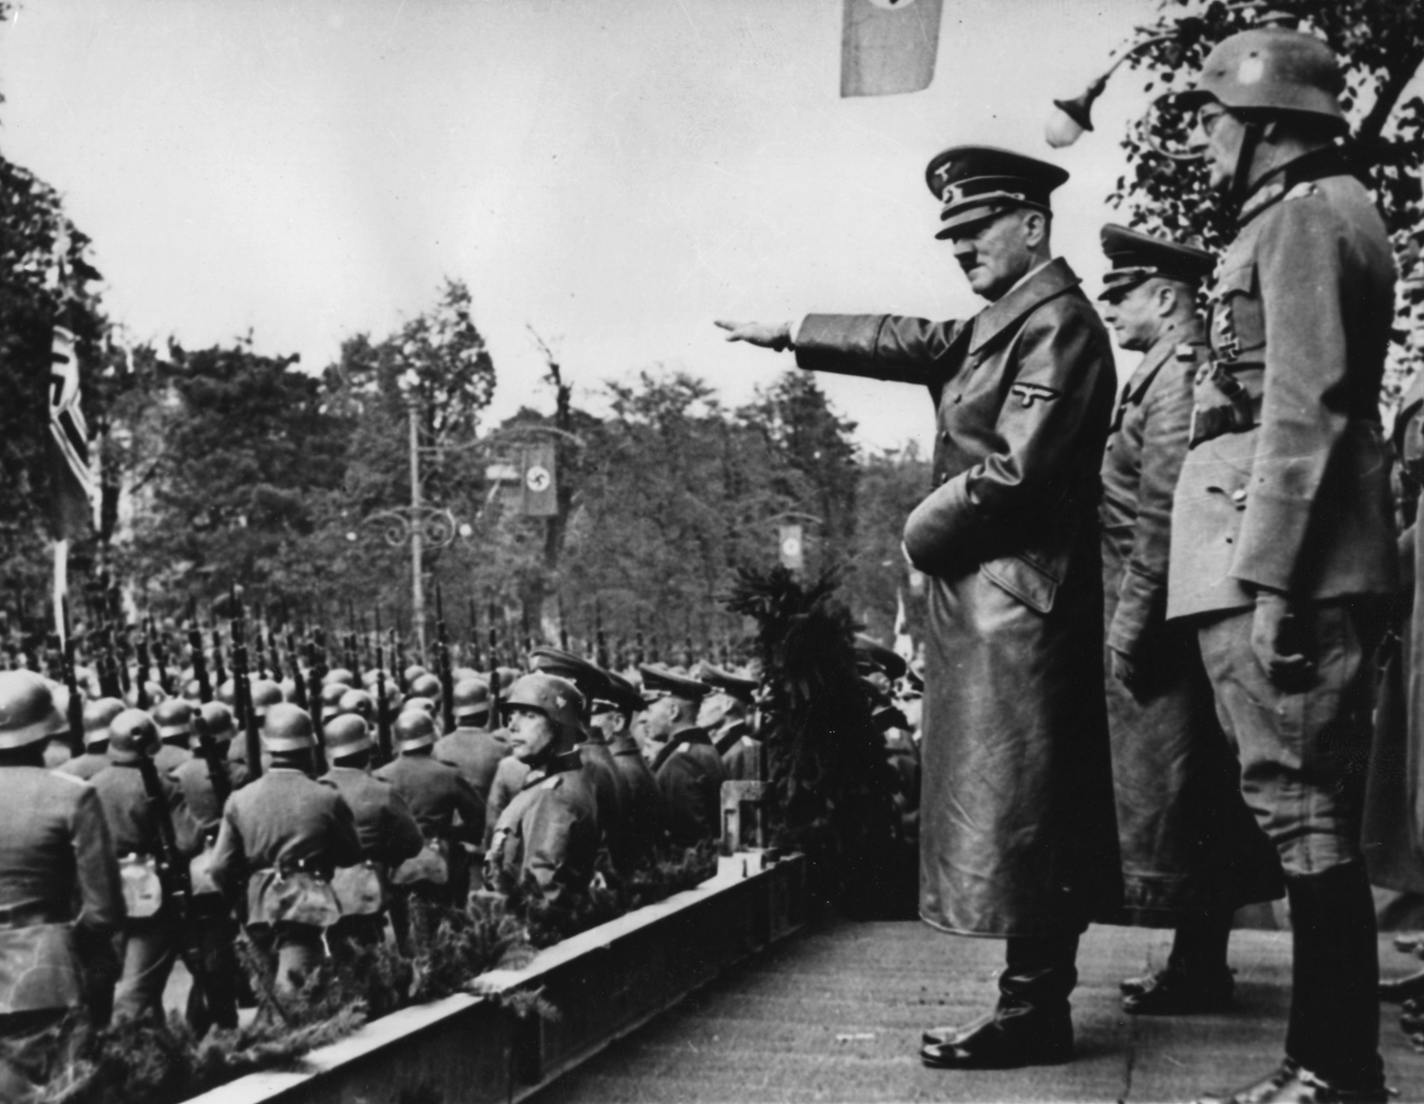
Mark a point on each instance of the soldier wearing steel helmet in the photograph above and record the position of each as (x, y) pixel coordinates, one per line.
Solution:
(1017, 835)
(97, 716)
(264, 695)
(174, 719)
(547, 839)
(1191, 853)
(150, 928)
(281, 839)
(388, 832)
(445, 806)
(472, 748)
(1282, 534)
(60, 901)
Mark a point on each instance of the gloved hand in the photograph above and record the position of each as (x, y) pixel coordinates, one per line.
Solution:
(766, 335)
(1277, 641)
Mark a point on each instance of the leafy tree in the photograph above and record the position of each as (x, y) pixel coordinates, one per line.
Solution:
(1381, 47)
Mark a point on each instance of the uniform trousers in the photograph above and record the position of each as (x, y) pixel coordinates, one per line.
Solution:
(150, 948)
(215, 1002)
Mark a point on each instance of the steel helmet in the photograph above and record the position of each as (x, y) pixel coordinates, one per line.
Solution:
(556, 698)
(426, 686)
(174, 718)
(98, 715)
(471, 699)
(132, 736)
(27, 710)
(286, 727)
(413, 672)
(414, 729)
(345, 734)
(265, 694)
(358, 702)
(338, 674)
(331, 694)
(1272, 69)
(215, 720)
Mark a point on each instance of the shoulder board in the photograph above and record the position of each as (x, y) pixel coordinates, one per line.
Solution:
(1186, 351)
(553, 782)
(1303, 189)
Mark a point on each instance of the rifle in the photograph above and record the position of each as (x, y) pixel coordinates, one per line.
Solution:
(273, 663)
(219, 675)
(384, 749)
(142, 700)
(297, 677)
(200, 663)
(173, 877)
(160, 657)
(215, 759)
(600, 641)
(74, 710)
(493, 722)
(314, 677)
(242, 688)
(442, 661)
(474, 635)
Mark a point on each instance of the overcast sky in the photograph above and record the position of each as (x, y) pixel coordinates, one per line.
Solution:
(614, 173)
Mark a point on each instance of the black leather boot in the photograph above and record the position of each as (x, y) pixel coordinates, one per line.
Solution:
(1031, 1024)
(1196, 977)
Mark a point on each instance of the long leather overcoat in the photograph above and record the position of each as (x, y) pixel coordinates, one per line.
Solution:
(1189, 844)
(1017, 831)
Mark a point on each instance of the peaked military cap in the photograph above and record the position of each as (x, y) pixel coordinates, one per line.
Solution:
(733, 685)
(588, 677)
(1136, 256)
(979, 182)
(660, 679)
(621, 693)
(871, 655)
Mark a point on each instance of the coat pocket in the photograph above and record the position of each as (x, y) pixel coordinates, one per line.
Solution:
(1033, 580)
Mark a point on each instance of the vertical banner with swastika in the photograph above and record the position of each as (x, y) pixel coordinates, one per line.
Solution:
(538, 491)
(791, 547)
(888, 46)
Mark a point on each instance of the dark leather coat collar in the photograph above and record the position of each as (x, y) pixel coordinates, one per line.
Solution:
(1052, 279)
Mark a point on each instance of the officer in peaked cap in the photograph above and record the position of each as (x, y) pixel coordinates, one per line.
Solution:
(1283, 545)
(546, 840)
(281, 838)
(57, 872)
(608, 786)
(732, 735)
(1023, 392)
(686, 765)
(1191, 854)
(612, 712)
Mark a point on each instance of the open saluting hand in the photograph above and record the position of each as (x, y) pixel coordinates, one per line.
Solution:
(766, 335)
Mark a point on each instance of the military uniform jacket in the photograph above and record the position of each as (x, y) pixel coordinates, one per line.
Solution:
(644, 804)
(548, 834)
(437, 795)
(1189, 845)
(508, 780)
(742, 761)
(132, 829)
(196, 782)
(384, 825)
(1301, 315)
(1017, 834)
(86, 766)
(283, 821)
(689, 776)
(475, 753)
(169, 757)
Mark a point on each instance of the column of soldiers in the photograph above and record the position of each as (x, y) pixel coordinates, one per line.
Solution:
(321, 848)
(1215, 548)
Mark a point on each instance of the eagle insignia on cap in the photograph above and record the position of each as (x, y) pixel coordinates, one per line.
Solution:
(1029, 393)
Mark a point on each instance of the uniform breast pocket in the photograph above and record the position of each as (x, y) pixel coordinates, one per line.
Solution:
(1238, 326)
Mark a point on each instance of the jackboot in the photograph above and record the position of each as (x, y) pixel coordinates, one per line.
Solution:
(1196, 977)
(1031, 1024)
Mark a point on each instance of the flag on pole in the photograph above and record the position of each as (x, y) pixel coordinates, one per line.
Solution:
(537, 488)
(888, 46)
(71, 475)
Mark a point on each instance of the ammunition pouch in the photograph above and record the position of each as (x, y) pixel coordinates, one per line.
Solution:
(1222, 402)
(200, 870)
(291, 896)
(143, 889)
(431, 865)
(39, 969)
(360, 890)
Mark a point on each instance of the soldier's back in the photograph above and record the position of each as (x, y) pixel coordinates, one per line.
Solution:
(475, 753)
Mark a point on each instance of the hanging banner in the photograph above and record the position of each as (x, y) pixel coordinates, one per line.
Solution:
(888, 46)
(539, 495)
(791, 547)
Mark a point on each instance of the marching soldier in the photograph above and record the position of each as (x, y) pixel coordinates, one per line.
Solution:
(444, 805)
(389, 834)
(1191, 854)
(1283, 544)
(97, 716)
(281, 839)
(612, 712)
(150, 932)
(174, 719)
(547, 839)
(687, 767)
(60, 901)
(472, 748)
(1017, 837)
(265, 694)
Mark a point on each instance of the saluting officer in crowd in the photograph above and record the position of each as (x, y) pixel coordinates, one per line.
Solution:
(1017, 836)
(546, 839)
(686, 765)
(60, 901)
(282, 838)
(1191, 853)
(1282, 534)
(151, 934)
